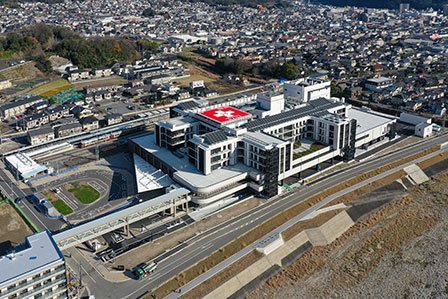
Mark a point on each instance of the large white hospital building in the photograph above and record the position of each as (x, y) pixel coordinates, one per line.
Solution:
(217, 152)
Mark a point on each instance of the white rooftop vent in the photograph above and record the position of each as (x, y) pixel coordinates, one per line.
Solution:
(11, 255)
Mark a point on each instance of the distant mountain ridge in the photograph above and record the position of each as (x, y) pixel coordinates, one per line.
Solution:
(391, 4)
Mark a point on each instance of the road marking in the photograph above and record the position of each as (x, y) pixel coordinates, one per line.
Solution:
(208, 245)
(87, 273)
(23, 194)
(276, 208)
(93, 267)
(155, 276)
(32, 212)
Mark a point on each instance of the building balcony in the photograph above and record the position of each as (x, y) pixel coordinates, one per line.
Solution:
(38, 290)
(32, 282)
(175, 134)
(220, 152)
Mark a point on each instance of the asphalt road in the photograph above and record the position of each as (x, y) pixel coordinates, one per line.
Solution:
(110, 200)
(234, 258)
(102, 180)
(9, 188)
(145, 237)
(207, 242)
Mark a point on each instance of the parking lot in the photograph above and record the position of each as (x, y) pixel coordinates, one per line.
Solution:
(119, 105)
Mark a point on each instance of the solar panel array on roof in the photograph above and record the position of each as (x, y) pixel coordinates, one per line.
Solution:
(319, 113)
(187, 105)
(315, 106)
(214, 137)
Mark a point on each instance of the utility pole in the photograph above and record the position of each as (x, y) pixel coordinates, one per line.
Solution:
(97, 152)
(78, 294)
(17, 173)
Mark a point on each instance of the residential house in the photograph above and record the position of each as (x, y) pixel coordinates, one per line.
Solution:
(41, 135)
(77, 75)
(57, 112)
(34, 121)
(89, 123)
(68, 130)
(5, 84)
(112, 119)
(18, 107)
(102, 72)
(81, 112)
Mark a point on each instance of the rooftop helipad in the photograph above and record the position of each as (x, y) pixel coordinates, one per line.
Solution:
(224, 114)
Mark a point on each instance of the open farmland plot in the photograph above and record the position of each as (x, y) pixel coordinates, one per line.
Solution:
(52, 88)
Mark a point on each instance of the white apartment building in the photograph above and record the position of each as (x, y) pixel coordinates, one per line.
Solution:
(35, 269)
(378, 84)
(306, 89)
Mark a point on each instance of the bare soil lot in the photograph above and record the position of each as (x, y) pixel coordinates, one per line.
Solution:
(21, 72)
(13, 229)
(211, 80)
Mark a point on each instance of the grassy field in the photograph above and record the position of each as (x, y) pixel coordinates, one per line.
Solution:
(58, 203)
(7, 54)
(52, 88)
(62, 207)
(113, 80)
(86, 194)
(211, 80)
(185, 82)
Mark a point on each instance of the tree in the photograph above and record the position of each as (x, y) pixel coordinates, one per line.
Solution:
(289, 71)
(271, 68)
(149, 45)
(237, 66)
(34, 42)
(43, 64)
(336, 90)
(149, 12)
(18, 42)
(240, 66)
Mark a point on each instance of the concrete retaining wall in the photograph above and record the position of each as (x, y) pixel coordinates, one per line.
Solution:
(282, 257)
(331, 230)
